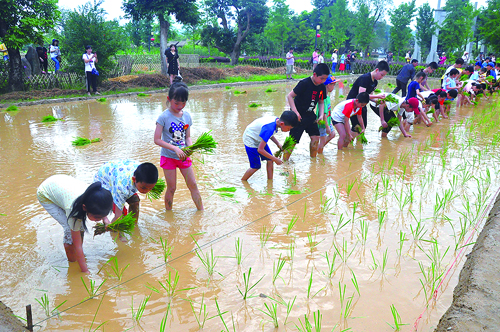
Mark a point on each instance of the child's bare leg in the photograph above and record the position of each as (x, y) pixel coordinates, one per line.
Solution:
(313, 146)
(270, 169)
(249, 173)
(322, 143)
(330, 137)
(171, 180)
(70, 252)
(188, 174)
(342, 135)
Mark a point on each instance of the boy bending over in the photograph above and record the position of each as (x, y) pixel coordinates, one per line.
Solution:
(343, 112)
(256, 136)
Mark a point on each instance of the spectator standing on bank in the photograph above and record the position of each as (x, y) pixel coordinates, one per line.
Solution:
(342, 62)
(348, 61)
(408, 57)
(321, 58)
(91, 72)
(55, 54)
(334, 60)
(442, 58)
(41, 51)
(290, 60)
(315, 58)
(466, 57)
(173, 65)
(405, 74)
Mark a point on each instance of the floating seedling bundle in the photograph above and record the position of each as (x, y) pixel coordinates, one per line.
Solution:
(287, 147)
(204, 144)
(101, 100)
(377, 90)
(143, 95)
(254, 105)
(81, 141)
(49, 118)
(12, 108)
(124, 224)
(393, 122)
(341, 96)
(157, 190)
(238, 92)
(271, 90)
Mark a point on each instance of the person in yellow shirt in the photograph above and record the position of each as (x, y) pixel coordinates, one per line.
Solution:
(4, 52)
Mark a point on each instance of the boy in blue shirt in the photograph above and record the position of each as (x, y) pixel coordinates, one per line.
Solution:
(256, 136)
(414, 87)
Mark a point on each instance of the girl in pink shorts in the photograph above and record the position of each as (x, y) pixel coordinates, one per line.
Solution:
(173, 133)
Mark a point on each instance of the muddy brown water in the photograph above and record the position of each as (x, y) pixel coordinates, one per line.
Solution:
(405, 178)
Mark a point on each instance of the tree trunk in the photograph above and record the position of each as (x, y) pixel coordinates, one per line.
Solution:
(235, 54)
(164, 26)
(15, 70)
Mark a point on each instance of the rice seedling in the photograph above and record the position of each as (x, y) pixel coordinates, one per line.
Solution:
(137, 316)
(340, 224)
(272, 313)
(225, 189)
(330, 261)
(265, 235)
(374, 261)
(12, 108)
(343, 251)
(277, 268)
(254, 105)
(113, 264)
(44, 303)
(238, 92)
(95, 315)
(166, 249)
(306, 326)
(248, 286)
(294, 182)
(157, 190)
(201, 315)
(402, 239)
(204, 144)
(208, 260)
(91, 289)
(325, 203)
(291, 224)
(397, 319)
(461, 232)
(355, 282)
(125, 224)
(49, 118)
(385, 183)
(382, 215)
(238, 250)
(141, 94)
(163, 323)
(363, 229)
(311, 239)
(81, 141)
(350, 185)
(385, 258)
(291, 249)
(101, 100)
(287, 147)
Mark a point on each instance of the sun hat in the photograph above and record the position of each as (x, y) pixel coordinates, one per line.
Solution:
(330, 79)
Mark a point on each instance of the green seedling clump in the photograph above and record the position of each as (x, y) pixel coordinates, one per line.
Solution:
(341, 96)
(271, 90)
(101, 100)
(377, 90)
(322, 124)
(157, 190)
(350, 85)
(49, 118)
(287, 146)
(238, 92)
(81, 141)
(204, 144)
(124, 224)
(143, 95)
(253, 105)
(226, 189)
(12, 108)
(393, 122)
(345, 81)
(228, 87)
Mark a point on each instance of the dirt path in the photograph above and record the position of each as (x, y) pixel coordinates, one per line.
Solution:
(9, 323)
(476, 298)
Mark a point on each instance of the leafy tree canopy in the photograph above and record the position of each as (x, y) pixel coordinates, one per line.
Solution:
(489, 25)
(401, 34)
(426, 27)
(456, 30)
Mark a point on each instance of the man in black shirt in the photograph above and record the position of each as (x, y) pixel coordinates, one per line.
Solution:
(302, 100)
(367, 83)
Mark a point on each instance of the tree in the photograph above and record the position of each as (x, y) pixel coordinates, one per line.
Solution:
(279, 25)
(364, 28)
(489, 25)
(376, 9)
(426, 27)
(333, 23)
(401, 34)
(302, 38)
(185, 11)
(139, 31)
(24, 22)
(456, 30)
(248, 16)
(87, 26)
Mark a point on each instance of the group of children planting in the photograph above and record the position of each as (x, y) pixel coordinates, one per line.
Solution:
(71, 201)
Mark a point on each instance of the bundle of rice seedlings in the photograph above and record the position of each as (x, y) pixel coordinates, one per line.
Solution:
(287, 146)
(361, 137)
(289, 191)
(80, 141)
(447, 102)
(377, 90)
(157, 190)
(430, 111)
(393, 122)
(204, 144)
(253, 105)
(464, 78)
(341, 96)
(143, 95)
(345, 81)
(124, 224)
(479, 95)
(271, 90)
(12, 108)
(489, 79)
(101, 100)
(391, 99)
(390, 85)
(238, 92)
(322, 123)
(226, 189)
(228, 87)
(49, 118)
(350, 85)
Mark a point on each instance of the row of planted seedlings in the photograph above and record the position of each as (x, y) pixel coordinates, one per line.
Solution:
(407, 216)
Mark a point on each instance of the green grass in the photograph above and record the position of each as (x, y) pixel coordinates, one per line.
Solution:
(252, 78)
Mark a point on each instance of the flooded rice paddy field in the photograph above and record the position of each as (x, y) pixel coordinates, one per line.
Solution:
(343, 241)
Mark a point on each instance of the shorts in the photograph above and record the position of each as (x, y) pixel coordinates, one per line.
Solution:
(255, 157)
(310, 127)
(171, 163)
(289, 69)
(60, 215)
(334, 123)
(323, 133)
